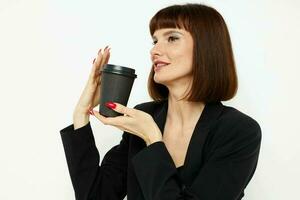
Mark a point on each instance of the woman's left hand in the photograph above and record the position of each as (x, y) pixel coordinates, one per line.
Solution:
(135, 122)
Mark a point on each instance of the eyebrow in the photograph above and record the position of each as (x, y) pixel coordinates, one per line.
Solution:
(167, 33)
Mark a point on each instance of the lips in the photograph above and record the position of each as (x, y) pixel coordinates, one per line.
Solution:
(159, 64)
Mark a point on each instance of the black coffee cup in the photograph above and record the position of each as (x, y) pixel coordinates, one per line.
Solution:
(116, 85)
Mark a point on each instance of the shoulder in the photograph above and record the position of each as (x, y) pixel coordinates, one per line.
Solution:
(233, 124)
(233, 117)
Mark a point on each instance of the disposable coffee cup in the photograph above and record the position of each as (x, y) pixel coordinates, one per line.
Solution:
(116, 85)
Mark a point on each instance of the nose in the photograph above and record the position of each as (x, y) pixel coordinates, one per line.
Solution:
(156, 51)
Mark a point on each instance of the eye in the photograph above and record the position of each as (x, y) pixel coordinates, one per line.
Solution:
(154, 42)
(172, 38)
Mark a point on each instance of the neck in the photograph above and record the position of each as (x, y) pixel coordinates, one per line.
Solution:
(183, 113)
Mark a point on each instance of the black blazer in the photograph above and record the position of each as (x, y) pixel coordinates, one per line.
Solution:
(221, 159)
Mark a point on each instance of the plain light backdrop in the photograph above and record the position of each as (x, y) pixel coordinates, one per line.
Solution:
(46, 53)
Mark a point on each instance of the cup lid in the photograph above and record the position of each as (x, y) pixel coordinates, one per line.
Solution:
(117, 69)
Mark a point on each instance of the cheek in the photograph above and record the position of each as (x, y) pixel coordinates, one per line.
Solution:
(188, 56)
(182, 52)
(185, 58)
(181, 55)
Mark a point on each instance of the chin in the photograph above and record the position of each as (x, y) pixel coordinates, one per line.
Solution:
(160, 80)
(156, 80)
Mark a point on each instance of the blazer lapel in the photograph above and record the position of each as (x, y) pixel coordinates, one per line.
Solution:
(193, 159)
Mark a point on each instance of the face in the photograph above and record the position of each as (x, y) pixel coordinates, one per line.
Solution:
(172, 55)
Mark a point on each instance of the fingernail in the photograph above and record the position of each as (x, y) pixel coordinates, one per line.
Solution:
(99, 51)
(94, 60)
(110, 105)
(106, 47)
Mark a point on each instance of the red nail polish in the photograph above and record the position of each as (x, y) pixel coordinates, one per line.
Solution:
(110, 105)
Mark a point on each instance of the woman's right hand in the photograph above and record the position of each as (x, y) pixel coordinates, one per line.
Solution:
(91, 94)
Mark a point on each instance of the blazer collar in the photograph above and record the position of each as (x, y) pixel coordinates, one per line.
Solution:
(193, 159)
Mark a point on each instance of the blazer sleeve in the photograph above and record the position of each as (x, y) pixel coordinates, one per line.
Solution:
(89, 180)
(224, 175)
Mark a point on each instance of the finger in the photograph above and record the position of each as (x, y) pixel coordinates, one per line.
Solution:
(96, 65)
(124, 110)
(104, 58)
(114, 121)
(100, 117)
(107, 57)
(99, 54)
(93, 77)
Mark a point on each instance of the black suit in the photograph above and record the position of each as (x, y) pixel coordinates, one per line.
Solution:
(221, 159)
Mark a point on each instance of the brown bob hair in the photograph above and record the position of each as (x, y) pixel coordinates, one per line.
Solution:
(214, 73)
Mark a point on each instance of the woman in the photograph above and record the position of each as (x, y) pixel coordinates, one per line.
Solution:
(183, 145)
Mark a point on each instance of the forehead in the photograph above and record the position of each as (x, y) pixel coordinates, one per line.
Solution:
(167, 31)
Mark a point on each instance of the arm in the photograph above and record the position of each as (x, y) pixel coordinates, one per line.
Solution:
(224, 176)
(91, 181)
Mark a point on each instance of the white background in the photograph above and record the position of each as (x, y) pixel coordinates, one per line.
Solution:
(46, 51)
